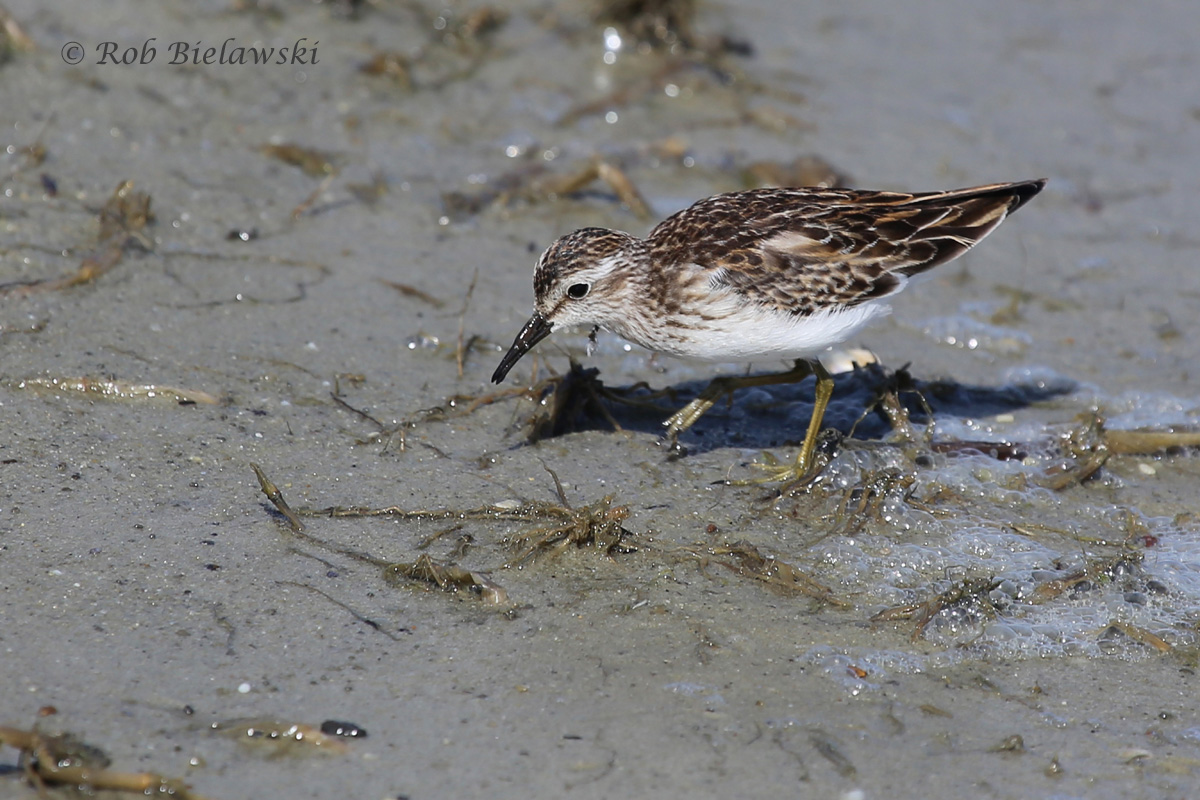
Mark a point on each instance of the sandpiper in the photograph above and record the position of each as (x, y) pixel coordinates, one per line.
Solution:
(766, 273)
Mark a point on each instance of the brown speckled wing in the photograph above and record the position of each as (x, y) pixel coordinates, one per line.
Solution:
(805, 250)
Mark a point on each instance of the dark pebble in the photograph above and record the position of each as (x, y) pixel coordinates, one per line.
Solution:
(348, 730)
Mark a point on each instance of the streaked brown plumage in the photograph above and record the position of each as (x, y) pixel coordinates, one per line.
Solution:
(767, 273)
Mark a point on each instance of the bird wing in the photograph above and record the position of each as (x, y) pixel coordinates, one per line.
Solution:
(805, 250)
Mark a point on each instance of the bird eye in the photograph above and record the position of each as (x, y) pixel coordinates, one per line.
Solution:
(578, 291)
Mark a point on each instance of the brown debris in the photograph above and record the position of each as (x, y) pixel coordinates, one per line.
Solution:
(456, 50)
(773, 119)
(449, 578)
(392, 65)
(63, 760)
(934, 711)
(1087, 450)
(276, 497)
(830, 749)
(562, 404)
(1117, 628)
(810, 170)
(125, 215)
(1091, 444)
(369, 194)
(462, 346)
(474, 25)
(597, 524)
(776, 573)
(412, 291)
(13, 38)
(1148, 442)
(122, 221)
(1098, 570)
(120, 390)
(533, 184)
(1010, 744)
(565, 400)
(865, 501)
(312, 162)
(970, 592)
(887, 402)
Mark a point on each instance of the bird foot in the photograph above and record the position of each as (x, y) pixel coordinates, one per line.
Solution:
(792, 474)
(674, 450)
(811, 461)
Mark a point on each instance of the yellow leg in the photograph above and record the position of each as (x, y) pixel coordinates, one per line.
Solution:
(683, 419)
(687, 416)
(804, 463)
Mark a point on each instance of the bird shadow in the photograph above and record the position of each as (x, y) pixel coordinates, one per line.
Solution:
(865, 403)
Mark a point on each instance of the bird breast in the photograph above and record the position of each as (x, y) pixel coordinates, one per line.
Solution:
(730, 329)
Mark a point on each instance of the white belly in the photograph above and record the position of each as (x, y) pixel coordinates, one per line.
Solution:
(750, 333)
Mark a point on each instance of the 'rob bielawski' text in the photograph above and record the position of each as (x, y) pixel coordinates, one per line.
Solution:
(230, 52)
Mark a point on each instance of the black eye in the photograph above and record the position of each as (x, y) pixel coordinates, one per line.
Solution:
(577, 291)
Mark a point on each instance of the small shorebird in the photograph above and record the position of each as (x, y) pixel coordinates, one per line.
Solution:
(767, 273)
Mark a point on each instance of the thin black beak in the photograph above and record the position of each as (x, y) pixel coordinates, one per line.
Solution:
(535, 330)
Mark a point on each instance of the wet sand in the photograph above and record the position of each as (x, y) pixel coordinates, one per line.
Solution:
(149, 589)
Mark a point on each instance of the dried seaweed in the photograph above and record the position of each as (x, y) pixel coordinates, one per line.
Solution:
(777, 574)
(1099, 570)
(122, 220)
(312, 162)
(458, 48)
(597, 525)
(865, 501)
(282, 737)
(448, 578)
(532, 185)
(13, 38)
(412, 291)
(1135, 633)
(392, 65)
(1089, 445)
(119, 390)
(64, 760)
(969, 593)
(808, 170)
